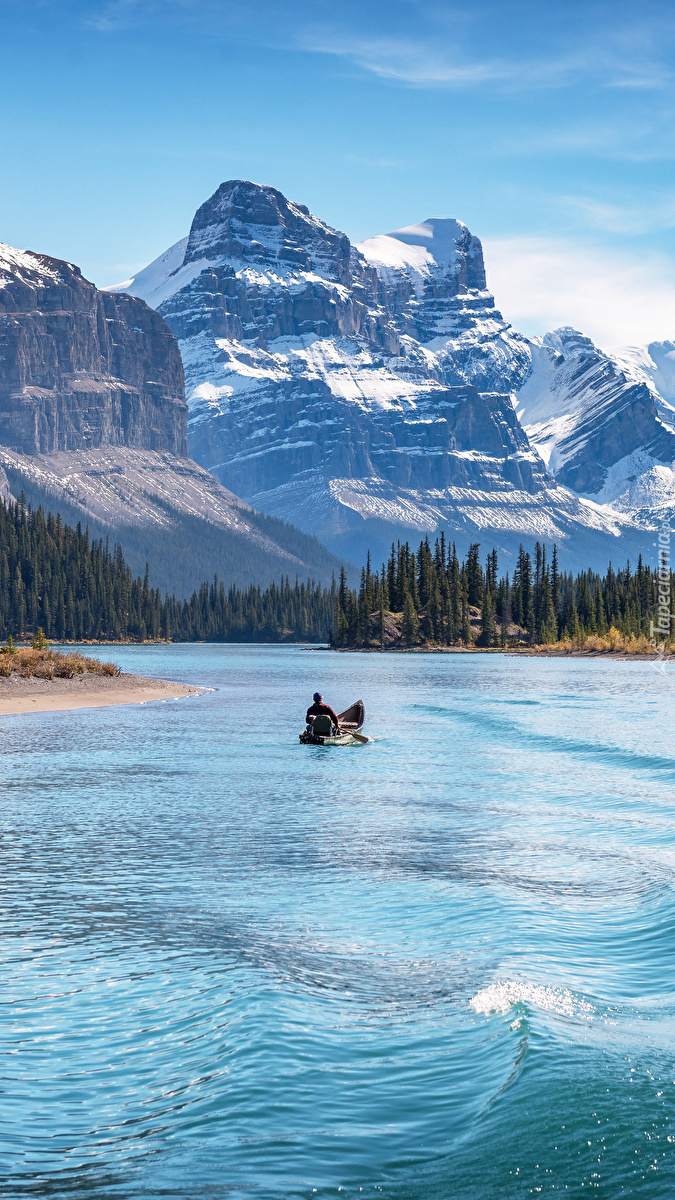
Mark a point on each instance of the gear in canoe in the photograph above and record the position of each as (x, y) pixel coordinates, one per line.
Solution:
(326, 728)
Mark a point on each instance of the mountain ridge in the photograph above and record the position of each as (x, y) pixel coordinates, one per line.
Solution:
(601, 424)
(362, 400)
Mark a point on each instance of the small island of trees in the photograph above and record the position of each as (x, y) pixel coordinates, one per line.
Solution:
(432, 599)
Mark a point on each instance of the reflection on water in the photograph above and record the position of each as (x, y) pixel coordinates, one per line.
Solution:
(436, 966)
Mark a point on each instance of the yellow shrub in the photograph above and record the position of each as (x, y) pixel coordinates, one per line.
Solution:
(593, 642)
(43, 663)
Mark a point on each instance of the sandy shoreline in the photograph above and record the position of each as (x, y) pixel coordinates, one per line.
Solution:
(21, 695)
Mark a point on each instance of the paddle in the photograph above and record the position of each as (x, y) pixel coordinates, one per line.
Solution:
(360, 738)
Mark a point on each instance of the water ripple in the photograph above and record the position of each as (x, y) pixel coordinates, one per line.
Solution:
(441, 967)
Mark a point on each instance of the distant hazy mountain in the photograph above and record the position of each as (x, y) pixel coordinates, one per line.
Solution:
(362, 392)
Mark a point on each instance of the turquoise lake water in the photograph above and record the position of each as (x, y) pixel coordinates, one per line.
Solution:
(441, 965)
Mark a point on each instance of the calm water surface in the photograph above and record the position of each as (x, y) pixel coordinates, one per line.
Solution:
(441, 965)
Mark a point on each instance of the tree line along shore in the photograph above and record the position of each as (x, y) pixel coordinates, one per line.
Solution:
(56, 579)
(432, 599)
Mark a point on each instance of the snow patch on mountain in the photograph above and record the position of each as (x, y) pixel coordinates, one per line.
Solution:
(638, 482)
(346, 366)
(600, 423)
(417, 250)
(161, 278)
(26, 266)
(655, 365)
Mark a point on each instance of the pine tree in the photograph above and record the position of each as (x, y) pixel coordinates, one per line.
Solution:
(467, 632)
(488, 635)
(410, 623)
(474, 575)
(555, 584)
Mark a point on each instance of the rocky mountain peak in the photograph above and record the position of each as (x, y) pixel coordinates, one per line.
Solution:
(599, 422)
(257, 224)
(81, 368)
(439, 247)
(570, 343)
(359, 391)
(432, 276)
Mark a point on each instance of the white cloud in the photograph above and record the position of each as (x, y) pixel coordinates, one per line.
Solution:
(117, 15)
(650, 215)
(616, 299)
(427, 62)
(400, 59)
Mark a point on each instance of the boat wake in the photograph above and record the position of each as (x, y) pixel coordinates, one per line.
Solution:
(505, 994)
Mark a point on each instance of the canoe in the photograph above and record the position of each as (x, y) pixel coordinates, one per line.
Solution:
(351, 721)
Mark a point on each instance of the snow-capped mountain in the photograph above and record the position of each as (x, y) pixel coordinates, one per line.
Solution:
(93, 423)
(362, 392)
(605, 423)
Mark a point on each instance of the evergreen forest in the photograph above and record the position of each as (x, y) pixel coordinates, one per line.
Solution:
(436, 599)
(189, 549)
(56, 578)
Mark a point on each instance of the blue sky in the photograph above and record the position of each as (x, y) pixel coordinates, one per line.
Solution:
(547, 128)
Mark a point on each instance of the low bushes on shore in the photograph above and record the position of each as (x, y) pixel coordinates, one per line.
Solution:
(613, 642)
(40, 662)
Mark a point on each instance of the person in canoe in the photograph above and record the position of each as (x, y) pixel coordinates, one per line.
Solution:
(319, 709)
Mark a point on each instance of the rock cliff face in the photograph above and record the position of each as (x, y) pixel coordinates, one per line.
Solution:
(601, 423)
(83, 368)
(361, 392)
(93, 422)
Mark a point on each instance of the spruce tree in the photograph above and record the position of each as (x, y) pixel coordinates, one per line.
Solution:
(410, 623)
(474, 575)
(488, 635)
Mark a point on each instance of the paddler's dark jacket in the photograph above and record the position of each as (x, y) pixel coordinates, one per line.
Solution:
(315, 710)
